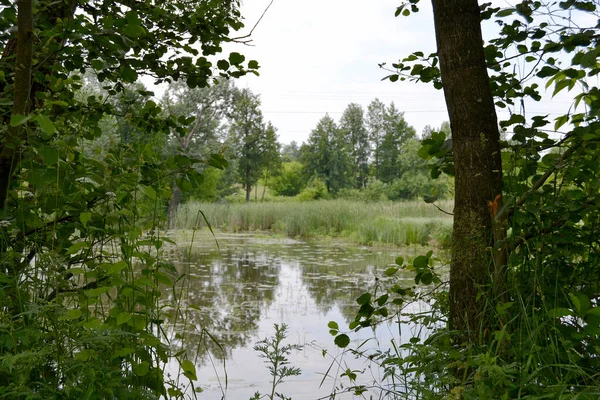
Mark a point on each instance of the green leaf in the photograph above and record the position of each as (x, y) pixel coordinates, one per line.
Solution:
(142, 368)
(77, 247)
(382, 300)
(223, 65)
(390, 271)
(236, 58)
(333, 325)
(342, 340)
(560, 121)
(594, 311)
(71, 315)
(48, 154)
(420, 262)
(148, 191)
(45, 123)
(218, 161)
(559, 312)
(399, 261)
(84, 218)
(163, 278)
(505, 12)
(122, 352)
(253, 64)
(128, 74)
(189, 369)
(85, 354)
(97, 64)
(134, 31)
(18, 119)
(365, 298)
(123, 318)
(426, 278)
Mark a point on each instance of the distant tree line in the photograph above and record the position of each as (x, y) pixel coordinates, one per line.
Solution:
(368, 154)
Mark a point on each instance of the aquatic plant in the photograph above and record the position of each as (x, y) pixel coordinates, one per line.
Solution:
(276, 358)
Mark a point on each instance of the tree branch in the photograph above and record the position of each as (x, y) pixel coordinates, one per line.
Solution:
(254, 27)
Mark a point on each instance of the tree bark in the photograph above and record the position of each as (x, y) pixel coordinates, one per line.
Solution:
(17, 58)
(262, 198)
(173, 206)
(477, 163)
(248, 185)
(21, 90)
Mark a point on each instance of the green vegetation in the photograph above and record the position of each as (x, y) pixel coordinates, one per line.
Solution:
(85, 177)
(92, 166)
(388, 223)
(350, 159)
(520, 315)
(276, 355)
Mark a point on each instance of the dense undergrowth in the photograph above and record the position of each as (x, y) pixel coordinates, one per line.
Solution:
(383, 223)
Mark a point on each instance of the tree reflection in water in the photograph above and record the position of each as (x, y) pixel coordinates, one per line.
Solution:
(238, 292)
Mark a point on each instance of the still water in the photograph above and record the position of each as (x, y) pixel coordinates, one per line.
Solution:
(234, 293)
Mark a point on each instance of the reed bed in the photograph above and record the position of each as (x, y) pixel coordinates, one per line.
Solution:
(390, 223)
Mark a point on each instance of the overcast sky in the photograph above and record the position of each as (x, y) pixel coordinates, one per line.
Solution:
(317, 56)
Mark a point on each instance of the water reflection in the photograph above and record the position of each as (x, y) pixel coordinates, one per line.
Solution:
(237, 292)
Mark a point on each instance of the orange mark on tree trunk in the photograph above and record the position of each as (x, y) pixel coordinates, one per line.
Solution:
(495, 205)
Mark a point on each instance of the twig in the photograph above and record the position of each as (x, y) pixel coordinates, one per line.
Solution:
(255, 25)
(444, 211)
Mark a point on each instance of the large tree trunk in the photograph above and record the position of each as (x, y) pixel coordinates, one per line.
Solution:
(477, 162)
(16, 60)
(21, 90)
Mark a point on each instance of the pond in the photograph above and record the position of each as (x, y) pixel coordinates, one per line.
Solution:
(234, 293)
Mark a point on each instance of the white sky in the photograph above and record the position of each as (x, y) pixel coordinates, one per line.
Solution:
(317, 56)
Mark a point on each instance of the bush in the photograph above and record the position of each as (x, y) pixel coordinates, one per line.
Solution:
(316, 190)
(418, 185)
(290, 181)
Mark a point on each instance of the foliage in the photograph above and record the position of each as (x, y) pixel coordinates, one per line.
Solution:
(81, 260)
(539, 338)
(290, 152)
(276, 355)
(290, 180)
(254, 143)
(315, 190)
(375, 122)
(396, 133)
(352, 126)
(325, 155)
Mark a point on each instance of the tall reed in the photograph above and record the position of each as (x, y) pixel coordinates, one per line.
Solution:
(393, 223)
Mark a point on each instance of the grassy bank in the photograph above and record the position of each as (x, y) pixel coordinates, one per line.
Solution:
(389, 223)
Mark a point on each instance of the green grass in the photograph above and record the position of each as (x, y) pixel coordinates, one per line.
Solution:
(389, 223)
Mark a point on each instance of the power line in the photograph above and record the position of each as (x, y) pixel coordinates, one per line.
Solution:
(537, 112)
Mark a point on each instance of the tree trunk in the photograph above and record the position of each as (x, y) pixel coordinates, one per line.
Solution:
(477, 162)
(17, 58)
(262, 198)
(21, 90)
(248, 186)
(173, 206)
(377, 162)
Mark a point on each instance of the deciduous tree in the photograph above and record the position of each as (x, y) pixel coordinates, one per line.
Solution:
(352, 126)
